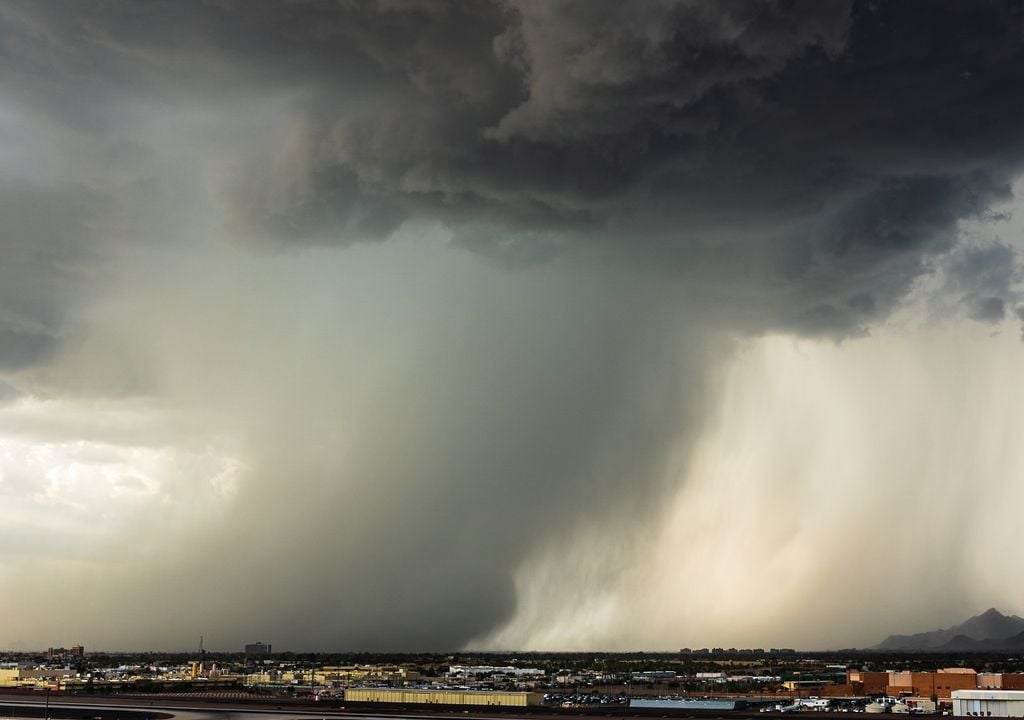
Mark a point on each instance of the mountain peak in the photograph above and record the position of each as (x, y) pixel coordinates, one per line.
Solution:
(990, 627)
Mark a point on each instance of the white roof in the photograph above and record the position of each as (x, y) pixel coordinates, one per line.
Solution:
(988, 695)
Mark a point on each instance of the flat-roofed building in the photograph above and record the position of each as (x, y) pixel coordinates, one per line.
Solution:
(988, 703)
(864, 682)
(443, 697)
(687, 704)
(511, 670)
(799, 685)
(990, 681)
(925, 684)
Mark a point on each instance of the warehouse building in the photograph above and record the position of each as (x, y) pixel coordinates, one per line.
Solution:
(35, 677)
(988, 703)
(1001, 681)
(443, 697)
(941, 683)
(687, 704)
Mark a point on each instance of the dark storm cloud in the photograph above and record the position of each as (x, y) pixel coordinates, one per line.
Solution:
(845, 267)
(821, 133)
(839, 143)
(730, 165)
(50, 252)
(985, 279)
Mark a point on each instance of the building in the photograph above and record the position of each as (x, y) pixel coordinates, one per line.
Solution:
(664, 675)
(443, 697)
(76, 651)
(807, 685)
(864, 682)
(257, 649)
(508, 670)
(1012, 681)
(990, 681)
(926, 684)
(349, 674)
(988, 703)
(664, 704)
(35, 677)
(1001, 681)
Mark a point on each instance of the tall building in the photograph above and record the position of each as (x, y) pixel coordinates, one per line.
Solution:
(64, 653)
(257, 649)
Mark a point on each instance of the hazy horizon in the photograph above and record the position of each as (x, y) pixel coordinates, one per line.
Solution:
(553, 325)
(202, 644)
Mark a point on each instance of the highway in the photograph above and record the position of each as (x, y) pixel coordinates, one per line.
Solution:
(127, 709)
(23, 707)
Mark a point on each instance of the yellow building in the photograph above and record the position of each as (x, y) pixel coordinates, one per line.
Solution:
(808, 685)
(363, 673)
(35, 677)
(443, 697)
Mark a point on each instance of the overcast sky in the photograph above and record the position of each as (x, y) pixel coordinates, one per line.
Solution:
(416, 325)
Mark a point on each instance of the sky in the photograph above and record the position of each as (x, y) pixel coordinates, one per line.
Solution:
(419, 325)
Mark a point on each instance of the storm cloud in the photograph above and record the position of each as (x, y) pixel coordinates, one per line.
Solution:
(387, 315)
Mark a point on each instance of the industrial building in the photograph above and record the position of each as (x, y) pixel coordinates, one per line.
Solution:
(687, 704)
(509, 670)
(988, 703)
(443, 697)
(807, 685)
(939, 684)
(1000, 681)
(35, 677)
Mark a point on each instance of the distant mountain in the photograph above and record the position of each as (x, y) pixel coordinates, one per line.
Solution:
(989, 631)
(962, 643)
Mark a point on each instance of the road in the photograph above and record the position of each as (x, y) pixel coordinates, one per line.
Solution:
(31, 708)
(23, 707)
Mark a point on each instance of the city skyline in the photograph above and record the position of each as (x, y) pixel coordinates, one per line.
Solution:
(509, 325)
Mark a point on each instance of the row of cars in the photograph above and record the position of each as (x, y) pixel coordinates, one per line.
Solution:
(876, 706)
(582, 699)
